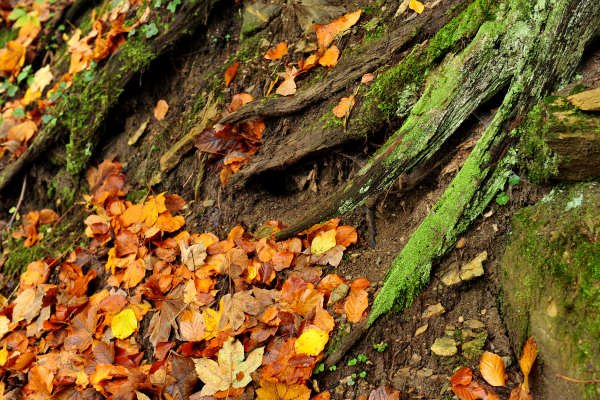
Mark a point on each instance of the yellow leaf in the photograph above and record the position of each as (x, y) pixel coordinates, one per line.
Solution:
(311, 342)
(3, 355)
(323, 241)
(211, 320)
(124, 324)
(416, 6)
(281, 391)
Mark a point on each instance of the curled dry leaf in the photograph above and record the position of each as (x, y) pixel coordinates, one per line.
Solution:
(492, 369)
(277, 52)
(527, 360)
(288, 86)
(344, 106)
(160, 111)
(231, 72)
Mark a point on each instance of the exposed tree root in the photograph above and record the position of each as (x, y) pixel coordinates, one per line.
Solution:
(86, 105)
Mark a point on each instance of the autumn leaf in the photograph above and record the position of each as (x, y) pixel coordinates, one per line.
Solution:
(124, 324)
(527, 360)
(492, 369)
(277, 52)
(344, 106)
(416, 6)
(323, 242)
(519, 393)
(463, 376)
(191, 326)
(230, 371)
(27, 305)
(322, 396)
(231, 72)
(356, 304)
(160, 111)
(384, 393)
(12, 57)
(330, 57)
(288, 86)
(326, 33)
(280, 391)
(311, 342)
(366, 78)
(3, 355)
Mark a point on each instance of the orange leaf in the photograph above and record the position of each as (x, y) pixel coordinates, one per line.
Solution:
(330, 57)
(326, 33)
(329, 282)
(366, 78)
(463, 376)
(192, 326)
(239, 100)
(280, 391)
(344, 107)
(416, 6)
(23, 131)
(356, 304)
(322, 396)
(288, 86)
(277, 52)
(12, 57)
(472, 391)
(360, 283)
(519, 393)
(230, 73)
(161, 110)
(492, 369)
(345, 235)
(527, 360)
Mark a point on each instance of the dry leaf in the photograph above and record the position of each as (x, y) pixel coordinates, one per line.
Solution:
(277, 52)
(279, 391)
(160, 111)
(124, 324)
(366, 78)
(356, 304)
(344, 107)
(191, 326)
(416, 6)
(492, 369)
(519, 393)
(231, 72)
(330, 57)
(326, 33)
(288, 86)
(311, 342)
(527, 360)
(323, 242)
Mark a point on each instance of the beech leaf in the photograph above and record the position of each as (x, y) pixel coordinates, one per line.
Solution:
(492, 369)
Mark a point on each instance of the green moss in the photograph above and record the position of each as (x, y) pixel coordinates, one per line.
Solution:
(334, 344)
(330, 121)
(135, 196)
(578, 89)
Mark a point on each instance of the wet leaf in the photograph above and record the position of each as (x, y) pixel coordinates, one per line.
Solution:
(492, 369)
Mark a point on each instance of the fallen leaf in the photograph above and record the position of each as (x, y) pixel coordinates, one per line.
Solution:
(323, 242)
(27, 305)
(277, 52)
(384, 393)
(230, 371)
(231, 72)
(160, 111)
(191, 326)
(23, 131)
(527, 360)
(12, 57)
(356, 304)
(280, 391)
(463, 376)
(124, 324)
(366, 78)
(311, 342)
(288, 86)
(344, 107)
(330, 57)
(492, 369)
(322, 396)
(519, 393)
(416, 6)
(326, 33)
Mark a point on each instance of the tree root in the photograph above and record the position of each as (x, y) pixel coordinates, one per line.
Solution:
(84, 108)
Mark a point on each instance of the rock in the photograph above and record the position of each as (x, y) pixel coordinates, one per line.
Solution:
(461, 319)
(339, 293)
(473, 349)
(474, 324)
(420, 330)
(452, 276)
(552, 257)
(432, 310)
(474, 268)
(444, 347)
(424, 373)
(258, 15)
(402, 379)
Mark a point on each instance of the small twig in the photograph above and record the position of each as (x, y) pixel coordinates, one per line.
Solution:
(12, 219)
(64, 215)
(566, 378)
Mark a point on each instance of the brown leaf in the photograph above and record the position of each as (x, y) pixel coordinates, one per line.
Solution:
(492, 369)
(191, 326)
(27, 305)
(277, 52)
(344, 107)
(384, 393)
(330, 57)
(519, 393)
(160, 111)
(22, 132)
(527, 360)
(356, 304)
(288, 86)
(472, 391)
(231, 72)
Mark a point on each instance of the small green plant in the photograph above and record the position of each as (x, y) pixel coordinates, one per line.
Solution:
(352, 362)
(354, 376)
(18, 112)
(350, 382)
(363, 374)
(149, 30)
(362, 358)
(172, 6)
(502, 199)
(319, 368)
(380, 347)
(514, 179)
(332, 368)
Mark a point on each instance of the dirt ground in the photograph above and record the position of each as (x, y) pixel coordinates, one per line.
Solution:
(407, 364)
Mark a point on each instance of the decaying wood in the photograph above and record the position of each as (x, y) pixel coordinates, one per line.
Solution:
(189, 17)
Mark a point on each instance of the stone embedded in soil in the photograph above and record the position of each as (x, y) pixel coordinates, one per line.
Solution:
(433, 310)
(258, 15)
(444, 347)
(424, 373)
(415, 359)
(339, 293)
(474, 324)
(420, 330)
(452, 276)
(474, 268)
(473, 349)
